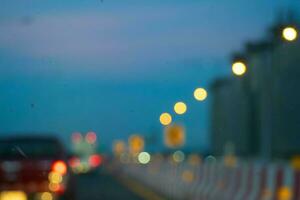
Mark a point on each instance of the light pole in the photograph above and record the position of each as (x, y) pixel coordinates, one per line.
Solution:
(200, 94)
(180, 108)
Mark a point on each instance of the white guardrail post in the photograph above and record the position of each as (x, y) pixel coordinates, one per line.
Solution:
(216, 181)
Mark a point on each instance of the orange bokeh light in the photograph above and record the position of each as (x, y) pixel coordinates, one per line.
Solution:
(59, 167)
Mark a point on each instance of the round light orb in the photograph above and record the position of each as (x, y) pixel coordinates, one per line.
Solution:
(178, 156)
(165, 119)
(91, 137)
(289, 34)
(239, 68)
(180, 108)
(200, 94)
(46, 196)
(144, 158)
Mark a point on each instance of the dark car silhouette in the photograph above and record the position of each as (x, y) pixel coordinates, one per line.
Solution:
(34, 167)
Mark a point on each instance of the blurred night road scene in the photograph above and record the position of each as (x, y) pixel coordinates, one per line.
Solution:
(149, 100)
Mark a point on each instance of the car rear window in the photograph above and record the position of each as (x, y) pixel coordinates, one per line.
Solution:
(30, 149)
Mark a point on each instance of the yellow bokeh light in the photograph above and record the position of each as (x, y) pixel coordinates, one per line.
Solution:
(289, 34)
(10, 195)
(54, 187)
(284, 193)
(136, 144)
(55, 177)
(46, 196)
(165, 119)
(200, 94)
(180, 108)
(239, 68)
(144, 157)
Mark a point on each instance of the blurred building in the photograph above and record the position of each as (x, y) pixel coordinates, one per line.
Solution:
(231, 118)
(259, 113)
(225, 115)
(274, 72)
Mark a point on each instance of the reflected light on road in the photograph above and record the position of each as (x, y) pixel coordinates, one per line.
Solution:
(290, 34)
(200, 94)
(180, 108)
(239, 68)
(144, 157)
(165, 119)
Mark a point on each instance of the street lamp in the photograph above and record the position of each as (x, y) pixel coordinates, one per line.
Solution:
(289, 33)
(180, 108)
(239, 68)
(200, 94)
(165, 119)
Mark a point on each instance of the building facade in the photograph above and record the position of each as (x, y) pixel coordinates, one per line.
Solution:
(259, 113)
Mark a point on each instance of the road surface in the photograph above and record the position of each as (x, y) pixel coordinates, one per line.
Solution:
(101, 186)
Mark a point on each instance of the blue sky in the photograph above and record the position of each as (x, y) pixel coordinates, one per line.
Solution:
(114, 66)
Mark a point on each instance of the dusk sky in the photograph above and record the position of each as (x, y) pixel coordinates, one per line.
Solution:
(113, 66)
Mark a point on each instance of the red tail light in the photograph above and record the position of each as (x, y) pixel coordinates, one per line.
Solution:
(74, 162)
(95, 160)
(59, 167)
